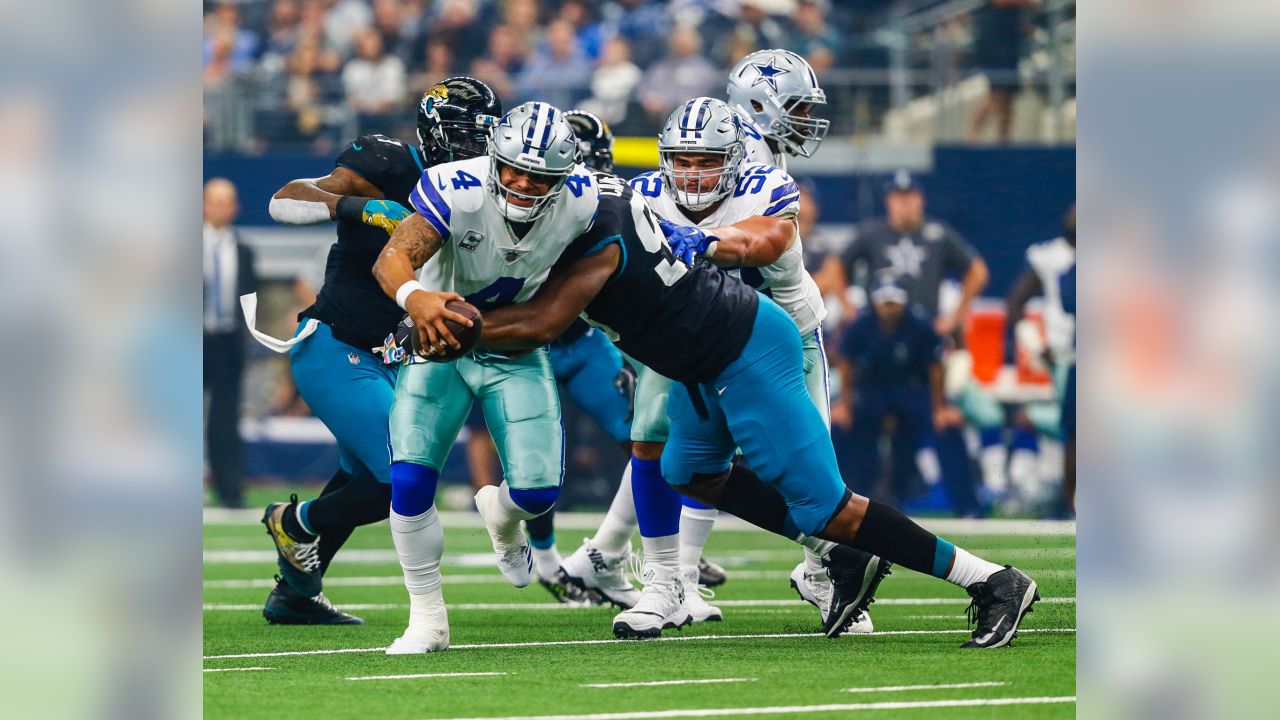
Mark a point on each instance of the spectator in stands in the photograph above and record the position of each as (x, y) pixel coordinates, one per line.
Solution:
(582, 16)
(921, 252)
(458, 21)
(223, 26)
(502, 63)
(613, 83)
(558, 73)
(522, 17)
(644, 24)
(374, 82)
(228, 274)
(219, 66)
(313, 29)
(684, 73)
(998, 29)
(343, 20)
(304, 93)
(398, 31)
(284, 32)
(812, 37)
(755, 28)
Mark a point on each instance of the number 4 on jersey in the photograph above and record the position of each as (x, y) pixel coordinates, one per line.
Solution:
(464, 180)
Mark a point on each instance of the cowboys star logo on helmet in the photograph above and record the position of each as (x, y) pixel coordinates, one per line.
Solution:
(768, 74)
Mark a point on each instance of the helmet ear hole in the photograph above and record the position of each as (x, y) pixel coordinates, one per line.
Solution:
(755, 105)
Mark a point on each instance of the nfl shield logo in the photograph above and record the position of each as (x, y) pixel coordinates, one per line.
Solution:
(353, 358)
(470, 241)
(512, 255)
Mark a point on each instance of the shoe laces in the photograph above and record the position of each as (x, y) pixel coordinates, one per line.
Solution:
(308, 554)
(979, 608)
(635, 566)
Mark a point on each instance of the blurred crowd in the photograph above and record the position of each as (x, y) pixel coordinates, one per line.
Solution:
(315, 72)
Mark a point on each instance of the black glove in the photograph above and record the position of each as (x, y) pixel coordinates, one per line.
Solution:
(625, 383)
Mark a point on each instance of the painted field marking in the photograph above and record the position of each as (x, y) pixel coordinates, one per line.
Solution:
(246, 607)
(791, 709)
(494, 579)
(904, 688)
(555, 643)
(657, 683)
(426, 675)
(243, 669)
(724, 523)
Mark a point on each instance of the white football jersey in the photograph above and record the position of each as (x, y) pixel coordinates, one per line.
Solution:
(481, 258)
(756, 148)
(762, 190)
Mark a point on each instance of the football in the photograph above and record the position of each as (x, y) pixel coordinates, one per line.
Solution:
(407, 334)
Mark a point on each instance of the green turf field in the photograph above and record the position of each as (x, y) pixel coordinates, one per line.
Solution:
(516, 654)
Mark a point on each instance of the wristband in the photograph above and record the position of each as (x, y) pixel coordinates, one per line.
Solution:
(711, 249)
(351, 207)
(407, 289)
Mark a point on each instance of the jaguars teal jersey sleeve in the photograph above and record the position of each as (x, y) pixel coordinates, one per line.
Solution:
(430, 197)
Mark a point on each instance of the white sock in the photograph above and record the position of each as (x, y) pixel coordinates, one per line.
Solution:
(695, 528)
(419, 542)
(662, 551)
(546, 561)
(815, 548)
(619, 523)
(992, 459)
(968, 569)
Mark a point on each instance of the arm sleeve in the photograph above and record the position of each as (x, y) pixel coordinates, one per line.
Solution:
(430, 197)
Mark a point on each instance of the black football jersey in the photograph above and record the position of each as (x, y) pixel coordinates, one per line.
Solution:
(686, 323)
(351, 300)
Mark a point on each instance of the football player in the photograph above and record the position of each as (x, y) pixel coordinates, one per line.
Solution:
(333, 366)
(492, 226)
(737, 363)
(744, 215)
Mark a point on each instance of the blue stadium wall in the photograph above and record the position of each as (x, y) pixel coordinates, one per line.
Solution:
(1000, 199)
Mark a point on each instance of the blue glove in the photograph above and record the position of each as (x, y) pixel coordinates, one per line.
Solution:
(686, 242)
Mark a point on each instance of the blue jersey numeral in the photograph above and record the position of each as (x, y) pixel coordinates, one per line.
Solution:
(464, 180)
(576, 183)
(501, 292)
(752, 181)
(647, 186)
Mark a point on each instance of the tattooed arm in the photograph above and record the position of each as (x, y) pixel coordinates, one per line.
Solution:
(410, 246)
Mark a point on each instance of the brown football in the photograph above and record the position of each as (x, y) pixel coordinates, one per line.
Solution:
(467, 336)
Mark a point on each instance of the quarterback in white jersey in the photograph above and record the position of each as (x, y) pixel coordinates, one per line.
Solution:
(493, 226)
(775, 93)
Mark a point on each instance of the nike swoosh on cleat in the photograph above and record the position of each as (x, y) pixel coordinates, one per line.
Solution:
(994, 627)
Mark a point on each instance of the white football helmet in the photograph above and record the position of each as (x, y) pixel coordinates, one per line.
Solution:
(705, 126)
(533, 137)
(769, 86)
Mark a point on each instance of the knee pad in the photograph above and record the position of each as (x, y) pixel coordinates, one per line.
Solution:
(413, 488)
(536, 501)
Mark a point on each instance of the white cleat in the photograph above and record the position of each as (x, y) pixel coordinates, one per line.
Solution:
(514, 558)
(661, 606)
(428, 629)
(592, 569)
(816, 589)
(699, 610)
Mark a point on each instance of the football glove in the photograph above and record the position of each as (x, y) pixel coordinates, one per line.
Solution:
(687, 242)
(625, 383)
(386, 214)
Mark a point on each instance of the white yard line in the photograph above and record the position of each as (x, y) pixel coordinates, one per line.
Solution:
(659, 683)
(905, 688)
(725, 523)
(538, 606)
(243, 669)
(396, 580)
(554, 643)
(792, 709)
(426, 675)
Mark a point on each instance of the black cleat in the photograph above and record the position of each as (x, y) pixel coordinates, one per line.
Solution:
(285, 606)
(297, 553)
(568, 592)
(710, 574)
(855, 577)
(999, 604)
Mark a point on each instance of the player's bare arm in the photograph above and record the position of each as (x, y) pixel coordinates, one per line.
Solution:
(975, 280)
(754, 242)
(410, 246)
(297, 203)
(550, 312)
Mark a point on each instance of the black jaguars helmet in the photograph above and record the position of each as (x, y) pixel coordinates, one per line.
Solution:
(455, 118)
(595, 141)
